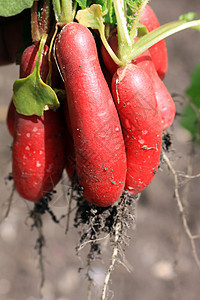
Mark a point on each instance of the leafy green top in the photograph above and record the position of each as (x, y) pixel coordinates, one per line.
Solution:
(190, 119)
(10, 8)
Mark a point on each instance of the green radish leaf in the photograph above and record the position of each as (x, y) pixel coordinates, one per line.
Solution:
(31, 95)
(91, 17)
(194, 90)
(190, 119)
(84, 3)
(188, 17)
(107, 11)
(191, 122)
(10, 8)
(132, 8)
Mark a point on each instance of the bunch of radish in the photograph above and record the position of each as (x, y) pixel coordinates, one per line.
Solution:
(106, 132)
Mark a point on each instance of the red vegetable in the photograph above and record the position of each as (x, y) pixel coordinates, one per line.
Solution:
(38, 145)
(10, 119)
(38, 154)
(97, 135)
(165, 102)
(137, 107)
(159, 50)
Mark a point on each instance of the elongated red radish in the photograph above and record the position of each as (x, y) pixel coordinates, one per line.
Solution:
(38, 156)
(10, 118)
(159, 50)
(137, 107)
(98, 141)
(165, 102)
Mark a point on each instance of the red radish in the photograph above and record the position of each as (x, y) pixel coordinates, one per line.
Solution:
(38, 146)
(26, 68)
(10, 119)
(165, 102)
(158, 51)
(98, 141)
(137, 107)
(38, 154)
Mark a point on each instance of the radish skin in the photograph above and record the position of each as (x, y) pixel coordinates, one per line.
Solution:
(98, 141)
(10, 118)
(137, 107)
(38, 154)
(165, 102)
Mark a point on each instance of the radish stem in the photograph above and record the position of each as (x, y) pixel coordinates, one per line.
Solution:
(159, 34)
(44, 23)
(124, 41)
(35, 33)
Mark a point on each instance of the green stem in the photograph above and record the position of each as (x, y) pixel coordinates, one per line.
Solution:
(39, 54)
(57, 9)
(35, 32)
(159, 34)
(107, 30)
(48, 79)
(66, 14)
(110, 50)
(63, 11)
(133, 32)
(124, 41)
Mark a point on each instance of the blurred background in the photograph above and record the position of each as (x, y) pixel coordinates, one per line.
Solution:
(159, 253)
